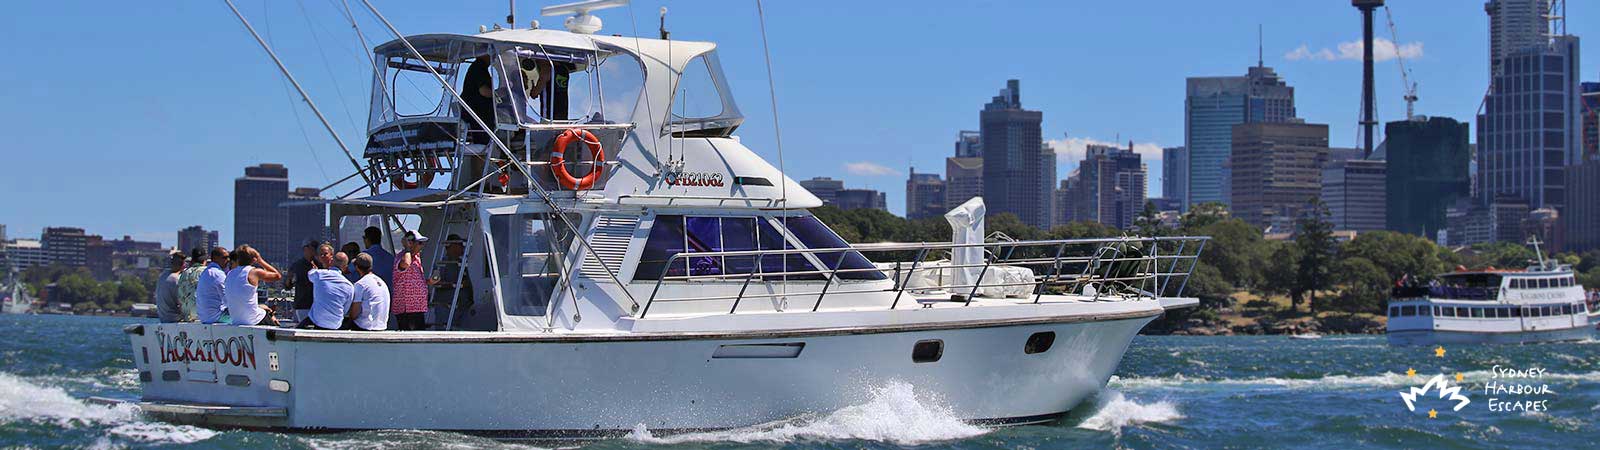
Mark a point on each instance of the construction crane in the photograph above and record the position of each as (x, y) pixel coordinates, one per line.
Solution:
(1405, 75)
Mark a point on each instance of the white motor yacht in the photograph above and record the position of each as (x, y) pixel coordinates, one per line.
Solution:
(1541, 303)
(619, 259)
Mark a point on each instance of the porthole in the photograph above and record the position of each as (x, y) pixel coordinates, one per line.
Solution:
(927, 351)
(1039, 342)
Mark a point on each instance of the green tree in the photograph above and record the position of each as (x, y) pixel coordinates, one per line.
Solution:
(1363, 286)
(1236, 249)
(1503, 255)
(1282, 270)
(1203, 214)
(1148, 223)
(1314, 239)
(1396, 254)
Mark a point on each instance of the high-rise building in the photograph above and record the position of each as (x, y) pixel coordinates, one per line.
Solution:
(66, 246)
(1175, 175)
(194, 237)
(848, 199)
(1428, 171)
(25, 253)
(1591, 119)
(308, 218)
(1501, 219)
(924, 195)
(1353, 191)
(97, 257)
(969, 144)
(1581, 219)
(963, 180)
(824, 188)
(1530, 127)
(1212, 106)
(1072, 199)
(1109, 187)
(1515, 25)
(1277, 170)
(259, 218)
(1019, 171)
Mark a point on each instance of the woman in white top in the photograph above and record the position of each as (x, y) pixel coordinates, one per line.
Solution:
(239, 288)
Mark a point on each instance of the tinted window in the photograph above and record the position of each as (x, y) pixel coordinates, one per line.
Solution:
(666, 239)
(814, 235)
(1408, 310)
(705, 235)
(739, 234)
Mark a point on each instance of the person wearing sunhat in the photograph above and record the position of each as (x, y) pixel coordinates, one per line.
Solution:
(410, 300)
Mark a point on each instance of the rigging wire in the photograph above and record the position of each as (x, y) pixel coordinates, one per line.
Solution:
(772, 92)
(655, 137)
(327, 65)
(299, 122)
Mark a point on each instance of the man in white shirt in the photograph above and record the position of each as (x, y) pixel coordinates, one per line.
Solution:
(208, 303)
(370, 309)
(331, 294)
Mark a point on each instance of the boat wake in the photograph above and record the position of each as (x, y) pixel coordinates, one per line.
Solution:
(1113, 411)
(892, 414)
(22, 401)
(1179, 381)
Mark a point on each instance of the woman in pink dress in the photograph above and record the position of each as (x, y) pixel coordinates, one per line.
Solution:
(410, 300)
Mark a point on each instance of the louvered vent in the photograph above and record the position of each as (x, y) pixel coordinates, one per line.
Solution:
(610, 242)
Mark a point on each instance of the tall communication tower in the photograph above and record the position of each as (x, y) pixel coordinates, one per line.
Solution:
(1369, 120)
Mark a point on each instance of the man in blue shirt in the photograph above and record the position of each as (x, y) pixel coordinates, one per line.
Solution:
(208, 302)
(331, 294)
(382, 260)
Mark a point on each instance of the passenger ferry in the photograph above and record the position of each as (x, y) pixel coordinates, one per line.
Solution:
(621, 260)
(1541, 303)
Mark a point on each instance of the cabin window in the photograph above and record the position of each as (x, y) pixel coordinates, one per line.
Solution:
(1424, 310)
(673, 234)
(1039, 342)
(1566, 309)
(1477, 313)
(814, 235)
(1394, 311)
(1516, 284)
(1436, 311)
(1544, 311)
(1516, 312)
(697, 96)
(1408, 310)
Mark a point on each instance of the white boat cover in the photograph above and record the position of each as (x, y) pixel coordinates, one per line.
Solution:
(966, 227)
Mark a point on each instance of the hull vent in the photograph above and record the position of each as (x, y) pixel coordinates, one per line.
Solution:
(610, 239)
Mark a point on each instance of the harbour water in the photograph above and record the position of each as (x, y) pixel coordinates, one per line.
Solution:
(1257, 391)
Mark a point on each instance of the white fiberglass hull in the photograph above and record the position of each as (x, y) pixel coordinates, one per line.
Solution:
(574, 386)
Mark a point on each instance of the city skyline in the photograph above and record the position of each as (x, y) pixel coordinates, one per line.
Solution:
(201, 153)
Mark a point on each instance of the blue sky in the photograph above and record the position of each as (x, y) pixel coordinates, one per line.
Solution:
(124, 118)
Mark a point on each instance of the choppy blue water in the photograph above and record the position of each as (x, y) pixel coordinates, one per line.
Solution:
(1207, 392)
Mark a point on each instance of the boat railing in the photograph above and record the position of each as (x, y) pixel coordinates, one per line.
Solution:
(1097, 268)
(1446, 292)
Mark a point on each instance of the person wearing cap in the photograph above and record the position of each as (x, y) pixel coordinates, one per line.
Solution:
(168, 308)
(297, 278)
(189, 282)
(410, 286)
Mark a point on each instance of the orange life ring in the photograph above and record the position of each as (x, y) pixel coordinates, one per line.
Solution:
(424, 175)
(558, 166)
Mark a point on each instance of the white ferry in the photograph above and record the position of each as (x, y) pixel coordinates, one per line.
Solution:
(650, 271)
(1541, 303)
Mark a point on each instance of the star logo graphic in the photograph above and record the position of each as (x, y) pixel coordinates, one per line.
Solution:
(1460, 377)
(1411, 373)
(1433, 414)
(1439, 351)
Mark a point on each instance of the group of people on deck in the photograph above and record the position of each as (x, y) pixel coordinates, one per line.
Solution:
(351, 289)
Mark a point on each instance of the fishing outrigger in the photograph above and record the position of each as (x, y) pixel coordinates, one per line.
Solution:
(631, 263)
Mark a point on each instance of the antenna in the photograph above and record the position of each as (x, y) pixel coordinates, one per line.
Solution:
(664, 34)
(581, 21)
(1260, 60)
(511, 15)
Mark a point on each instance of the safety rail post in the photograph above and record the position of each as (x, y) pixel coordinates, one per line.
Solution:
(921, 253)
(743, 287)
(1154, 255)
(1117, 255)
(1172, 268)
(1189, 273)
(978, 283)
(1055, 272)
(832, 273)
(659, 278)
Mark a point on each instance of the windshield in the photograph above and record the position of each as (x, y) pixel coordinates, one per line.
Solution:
(556, 86)
(701, 102)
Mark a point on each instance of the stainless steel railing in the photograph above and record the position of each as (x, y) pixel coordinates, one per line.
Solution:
(1127, 266)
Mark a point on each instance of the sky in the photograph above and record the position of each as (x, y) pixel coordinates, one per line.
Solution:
(127, 119)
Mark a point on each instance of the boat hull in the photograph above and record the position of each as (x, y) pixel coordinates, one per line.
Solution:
(1441, 337)
(573, 387)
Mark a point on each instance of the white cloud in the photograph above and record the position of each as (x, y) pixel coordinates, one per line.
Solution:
(869, 169)
(1382, 50)
(1072, 149)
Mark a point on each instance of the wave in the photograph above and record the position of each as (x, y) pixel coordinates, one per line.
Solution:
(24, 401)
(1113, 411)
(1323, 382)
(893, 414)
